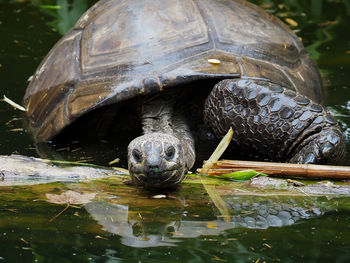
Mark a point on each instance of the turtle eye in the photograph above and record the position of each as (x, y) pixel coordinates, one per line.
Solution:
(137, 155)
(169, 153)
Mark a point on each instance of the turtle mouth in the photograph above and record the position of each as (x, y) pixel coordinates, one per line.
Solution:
(159, 179)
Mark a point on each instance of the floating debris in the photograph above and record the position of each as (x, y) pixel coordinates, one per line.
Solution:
(54, 217)
(327, 23)
(63, 149)
(116, 160)
(75, 150)
(267, 245)
(291, 22)
(8, 123)
(212, 225)
(85, 159)
(25, 241)
(159, 196)
(14, 104)
(100, 237)
(17, 130)
(70, 197)
(214, 61)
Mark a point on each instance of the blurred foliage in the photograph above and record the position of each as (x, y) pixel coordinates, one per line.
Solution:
(316, 20)
(314, 9)
(312, 20)
(65, 13)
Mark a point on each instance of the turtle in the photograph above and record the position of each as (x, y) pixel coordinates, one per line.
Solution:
(254, 71)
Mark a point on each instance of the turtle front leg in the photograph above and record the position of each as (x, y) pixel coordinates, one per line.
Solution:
(273, 123)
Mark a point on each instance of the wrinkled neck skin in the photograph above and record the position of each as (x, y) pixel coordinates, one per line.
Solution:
(166, 151)
(161, 115)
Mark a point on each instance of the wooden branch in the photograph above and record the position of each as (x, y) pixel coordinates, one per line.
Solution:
(283, 169)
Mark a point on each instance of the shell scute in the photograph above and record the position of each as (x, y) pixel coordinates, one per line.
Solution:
(121, 49)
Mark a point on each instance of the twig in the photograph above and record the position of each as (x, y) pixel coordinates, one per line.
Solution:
(312, 171)
(116, 160)
(13, 104)
(218, 152)
(64, 209)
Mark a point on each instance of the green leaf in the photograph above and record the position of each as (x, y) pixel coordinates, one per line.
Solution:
(240, 175)
(235, 176)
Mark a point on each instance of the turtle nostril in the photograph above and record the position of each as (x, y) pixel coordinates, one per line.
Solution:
(153, 167)
(153, 163)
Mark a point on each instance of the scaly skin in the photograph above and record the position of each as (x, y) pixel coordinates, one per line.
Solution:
(269, 121)
(161, 157)
(273, 122)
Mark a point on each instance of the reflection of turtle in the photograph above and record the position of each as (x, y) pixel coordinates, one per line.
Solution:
(147, 226)
(266, 86)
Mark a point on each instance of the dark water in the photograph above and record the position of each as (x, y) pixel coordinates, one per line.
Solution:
(125, 224)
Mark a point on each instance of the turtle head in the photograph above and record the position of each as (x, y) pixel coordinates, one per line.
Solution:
(156, 160)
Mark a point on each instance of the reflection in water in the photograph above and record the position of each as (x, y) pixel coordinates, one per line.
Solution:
(141, 228)
(122, 223)
(115, 219)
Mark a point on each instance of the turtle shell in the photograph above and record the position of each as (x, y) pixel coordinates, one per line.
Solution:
(122, 49)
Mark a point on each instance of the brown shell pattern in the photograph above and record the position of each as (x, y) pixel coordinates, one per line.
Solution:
(120, 49)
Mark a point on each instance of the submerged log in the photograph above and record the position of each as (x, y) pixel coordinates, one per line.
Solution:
(18, 170)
